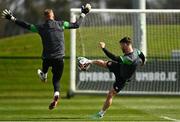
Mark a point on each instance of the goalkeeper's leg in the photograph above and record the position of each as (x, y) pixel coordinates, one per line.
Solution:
(57, 70)
(43, 73)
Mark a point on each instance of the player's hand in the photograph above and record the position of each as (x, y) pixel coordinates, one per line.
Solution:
(85, 9)
(102, 45)
(7, 14)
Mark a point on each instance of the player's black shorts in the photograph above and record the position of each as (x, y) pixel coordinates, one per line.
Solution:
(115, 68)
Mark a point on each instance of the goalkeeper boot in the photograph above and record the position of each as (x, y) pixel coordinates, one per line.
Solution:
(42, 76)
(54, 103)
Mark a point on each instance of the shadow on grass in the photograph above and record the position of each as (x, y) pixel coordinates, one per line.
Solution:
(85, 119)
(57, 118)
(64, 119)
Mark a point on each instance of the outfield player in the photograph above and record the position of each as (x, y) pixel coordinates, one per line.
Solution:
(52, 36)
(123, 68)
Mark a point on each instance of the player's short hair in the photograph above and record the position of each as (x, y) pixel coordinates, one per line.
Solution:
(47, 12)
(126, 40)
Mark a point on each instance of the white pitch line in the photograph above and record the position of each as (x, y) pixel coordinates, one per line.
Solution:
(168, 118)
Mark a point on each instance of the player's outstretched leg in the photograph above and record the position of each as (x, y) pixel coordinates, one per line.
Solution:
(84, 63)
(99, 62)
(106, 105)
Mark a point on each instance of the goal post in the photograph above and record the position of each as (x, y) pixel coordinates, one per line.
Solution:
(72, 55)
(159, 39)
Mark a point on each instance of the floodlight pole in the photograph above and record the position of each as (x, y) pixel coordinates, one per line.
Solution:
(139, 26)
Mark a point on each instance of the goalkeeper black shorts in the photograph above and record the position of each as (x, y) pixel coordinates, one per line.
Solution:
(114, 67)
(57, 70)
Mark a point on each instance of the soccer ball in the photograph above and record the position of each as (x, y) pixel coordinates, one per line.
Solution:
(83, 63)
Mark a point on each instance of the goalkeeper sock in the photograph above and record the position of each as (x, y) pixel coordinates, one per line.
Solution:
(56, 93)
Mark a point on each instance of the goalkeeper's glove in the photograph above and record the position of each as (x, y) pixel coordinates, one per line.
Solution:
(85, 9)
(7, 14)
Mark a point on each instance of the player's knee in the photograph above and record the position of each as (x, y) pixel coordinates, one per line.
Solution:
(108, 63)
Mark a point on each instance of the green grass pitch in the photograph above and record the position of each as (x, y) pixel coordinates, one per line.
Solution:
(24, 98)
(31, 106)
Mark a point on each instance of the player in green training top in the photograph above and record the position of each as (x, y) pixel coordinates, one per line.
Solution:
(123, 68)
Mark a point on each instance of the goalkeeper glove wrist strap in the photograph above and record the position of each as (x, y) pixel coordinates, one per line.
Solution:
(83, 15)
(13, 19)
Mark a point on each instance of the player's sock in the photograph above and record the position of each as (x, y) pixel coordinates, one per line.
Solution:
(98, 115)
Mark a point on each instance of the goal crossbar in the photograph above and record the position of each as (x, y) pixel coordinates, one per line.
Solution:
(77, 10)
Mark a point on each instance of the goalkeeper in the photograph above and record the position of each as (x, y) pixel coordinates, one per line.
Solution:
(123, 68)
(52, 36)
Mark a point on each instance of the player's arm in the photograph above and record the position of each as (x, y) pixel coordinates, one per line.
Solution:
(143, 58)
(7, 14)
(109, 54)
(26, 25)
(84, 11)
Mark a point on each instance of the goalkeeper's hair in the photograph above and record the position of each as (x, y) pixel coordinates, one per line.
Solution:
(47, 12)
(126, 40)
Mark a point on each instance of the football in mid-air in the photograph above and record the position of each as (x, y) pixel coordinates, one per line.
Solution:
(83, 63)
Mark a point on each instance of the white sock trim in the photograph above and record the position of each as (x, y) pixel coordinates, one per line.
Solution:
(102, 112)
(56, 93)
(83, 15)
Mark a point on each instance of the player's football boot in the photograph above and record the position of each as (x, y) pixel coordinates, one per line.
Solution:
(42, 76)
(54, 103)
(83, 63)
(97, 116)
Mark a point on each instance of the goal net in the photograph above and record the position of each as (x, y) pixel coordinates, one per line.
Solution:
(155, 32)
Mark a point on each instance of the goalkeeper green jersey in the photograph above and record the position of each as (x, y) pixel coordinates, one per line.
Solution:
(52, 35)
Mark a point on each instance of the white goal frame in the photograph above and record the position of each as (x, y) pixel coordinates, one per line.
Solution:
(75, 11)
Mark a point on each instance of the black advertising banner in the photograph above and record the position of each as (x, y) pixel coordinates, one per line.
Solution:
(155, 76)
